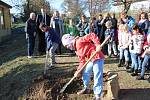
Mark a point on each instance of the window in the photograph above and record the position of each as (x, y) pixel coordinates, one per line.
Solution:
(1, 18)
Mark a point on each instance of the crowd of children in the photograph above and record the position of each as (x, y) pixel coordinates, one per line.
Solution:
(131, 46)
(127, 41)
(130, 40)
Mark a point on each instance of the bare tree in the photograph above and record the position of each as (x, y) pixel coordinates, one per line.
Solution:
(125, 3)
(98, 6)
(28, 6)
(74, 7)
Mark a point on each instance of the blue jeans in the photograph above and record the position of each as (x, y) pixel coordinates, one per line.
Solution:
(136, 61)
(52, 52)
(125, 53)
(144, 63)
(31, 43)
(82, 33)
(97, 67)
(112, 45)
(140, 63)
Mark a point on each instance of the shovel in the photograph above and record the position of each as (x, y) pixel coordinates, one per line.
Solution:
(46, 62)
(63, 89)
(65, 86)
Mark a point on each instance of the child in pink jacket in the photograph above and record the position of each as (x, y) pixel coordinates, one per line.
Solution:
(84, 47)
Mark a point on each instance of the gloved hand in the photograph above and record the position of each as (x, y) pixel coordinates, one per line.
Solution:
(77, 74)
(98, 48)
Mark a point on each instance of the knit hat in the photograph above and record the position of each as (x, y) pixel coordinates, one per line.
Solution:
(67, 39)
(108, 24)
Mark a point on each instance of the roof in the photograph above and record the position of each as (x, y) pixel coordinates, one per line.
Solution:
(5, 4)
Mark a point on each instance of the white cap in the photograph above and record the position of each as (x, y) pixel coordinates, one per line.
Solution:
(67, 39)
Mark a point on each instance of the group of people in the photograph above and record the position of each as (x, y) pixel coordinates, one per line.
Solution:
(128, 38)
(32, 29)
(134, 46)
(123, 37)
(48, 30)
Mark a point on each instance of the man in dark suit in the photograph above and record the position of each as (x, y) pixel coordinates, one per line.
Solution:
(42, 18)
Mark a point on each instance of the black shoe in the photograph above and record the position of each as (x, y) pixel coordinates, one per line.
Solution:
(120, 63)
(139, 78)
(139, 70)
(126, 65)
(96, 98)
(130, 70)
(51, 67)
(134, 73)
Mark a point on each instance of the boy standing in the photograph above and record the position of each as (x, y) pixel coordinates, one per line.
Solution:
(111, 43)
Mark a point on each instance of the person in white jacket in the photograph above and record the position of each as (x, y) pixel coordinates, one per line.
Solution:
(146, 58)
(137, 41)
(123, 38)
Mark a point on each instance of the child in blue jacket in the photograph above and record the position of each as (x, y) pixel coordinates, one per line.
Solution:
(52, 40)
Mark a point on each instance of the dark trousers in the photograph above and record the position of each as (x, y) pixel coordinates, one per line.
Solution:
(58, 51)
(31, 44)
(41, 42)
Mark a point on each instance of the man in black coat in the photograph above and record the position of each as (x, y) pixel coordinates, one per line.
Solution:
(100, 28)
(42, 18)
(30, 30)
(115, 26)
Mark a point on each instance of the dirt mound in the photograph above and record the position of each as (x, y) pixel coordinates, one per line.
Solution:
(48, 88)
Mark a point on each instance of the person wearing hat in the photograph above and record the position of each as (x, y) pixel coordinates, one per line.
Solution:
(84, 47)
(111, 43)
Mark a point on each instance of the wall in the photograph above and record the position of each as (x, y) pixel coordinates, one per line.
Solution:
(6, 30)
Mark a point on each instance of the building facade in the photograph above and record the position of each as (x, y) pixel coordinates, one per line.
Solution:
(5, 20)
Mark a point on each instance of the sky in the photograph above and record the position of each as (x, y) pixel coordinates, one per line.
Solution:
(54, 3)
(57, 5)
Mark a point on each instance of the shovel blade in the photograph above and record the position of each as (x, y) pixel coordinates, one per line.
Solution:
(63, 89)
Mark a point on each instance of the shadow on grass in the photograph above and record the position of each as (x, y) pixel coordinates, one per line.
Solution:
(121, 70)
(135, 94)
(67, 62)
(13, 48)
(111, 60)
(14, 83)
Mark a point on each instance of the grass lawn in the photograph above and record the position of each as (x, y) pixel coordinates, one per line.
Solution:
(22, 78)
